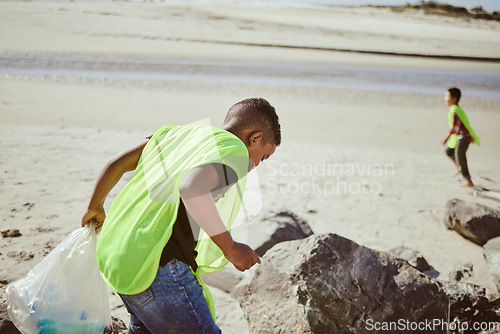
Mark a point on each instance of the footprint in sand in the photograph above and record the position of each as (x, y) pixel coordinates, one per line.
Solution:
(21, 256)
(29, 205)
(49, 246)
(44, 229)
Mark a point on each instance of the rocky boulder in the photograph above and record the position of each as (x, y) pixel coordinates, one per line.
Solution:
(329, 284)
(469, 303)
(475, 222)
(273, 228)
(492, 254)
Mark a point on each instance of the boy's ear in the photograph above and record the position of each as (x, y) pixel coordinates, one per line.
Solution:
(255, 138)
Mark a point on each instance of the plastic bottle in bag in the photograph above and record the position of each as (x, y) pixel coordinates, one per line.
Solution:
(64, 293)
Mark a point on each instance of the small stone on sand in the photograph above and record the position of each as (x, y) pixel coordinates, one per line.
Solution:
(12, 233)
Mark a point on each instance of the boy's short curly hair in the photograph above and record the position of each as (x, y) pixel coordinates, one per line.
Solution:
(258, 113)
(455, 93)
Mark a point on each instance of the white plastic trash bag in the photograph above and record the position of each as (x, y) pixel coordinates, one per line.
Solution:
(64, 293)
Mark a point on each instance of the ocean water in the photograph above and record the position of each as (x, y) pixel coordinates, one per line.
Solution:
(474, 83)
(477, 83)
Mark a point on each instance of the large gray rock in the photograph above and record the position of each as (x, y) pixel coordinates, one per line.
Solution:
(492, 254)
(475, 222)
(283, 226)
(329, 284)
(470, 304)
(270, 229)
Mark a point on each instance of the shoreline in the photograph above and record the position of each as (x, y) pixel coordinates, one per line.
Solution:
(289, 56)
(369, 52)
(70, 69)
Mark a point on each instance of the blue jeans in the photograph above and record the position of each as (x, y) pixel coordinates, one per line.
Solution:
(174, 303)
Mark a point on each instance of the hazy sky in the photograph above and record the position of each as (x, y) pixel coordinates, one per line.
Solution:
(489, 5)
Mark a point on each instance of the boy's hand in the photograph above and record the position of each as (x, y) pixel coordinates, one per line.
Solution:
(94, 215)
(242, 256)
(445, 140)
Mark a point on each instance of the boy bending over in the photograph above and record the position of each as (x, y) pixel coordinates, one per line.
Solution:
(148, 251)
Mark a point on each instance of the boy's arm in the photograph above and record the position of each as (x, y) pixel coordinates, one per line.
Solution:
(454, 129)
(109, 177)
(195, 190)
(443, 142)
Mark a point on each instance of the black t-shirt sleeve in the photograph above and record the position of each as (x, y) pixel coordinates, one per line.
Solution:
(227, 176)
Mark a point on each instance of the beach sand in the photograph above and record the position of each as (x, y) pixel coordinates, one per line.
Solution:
(363, 163)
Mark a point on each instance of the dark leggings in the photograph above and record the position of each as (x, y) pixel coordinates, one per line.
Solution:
(458, 155)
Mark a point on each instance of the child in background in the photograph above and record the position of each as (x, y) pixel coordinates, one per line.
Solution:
(460, 135)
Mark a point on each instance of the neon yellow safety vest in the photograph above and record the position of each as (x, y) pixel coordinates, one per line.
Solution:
(140, 220)
(455, 109)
